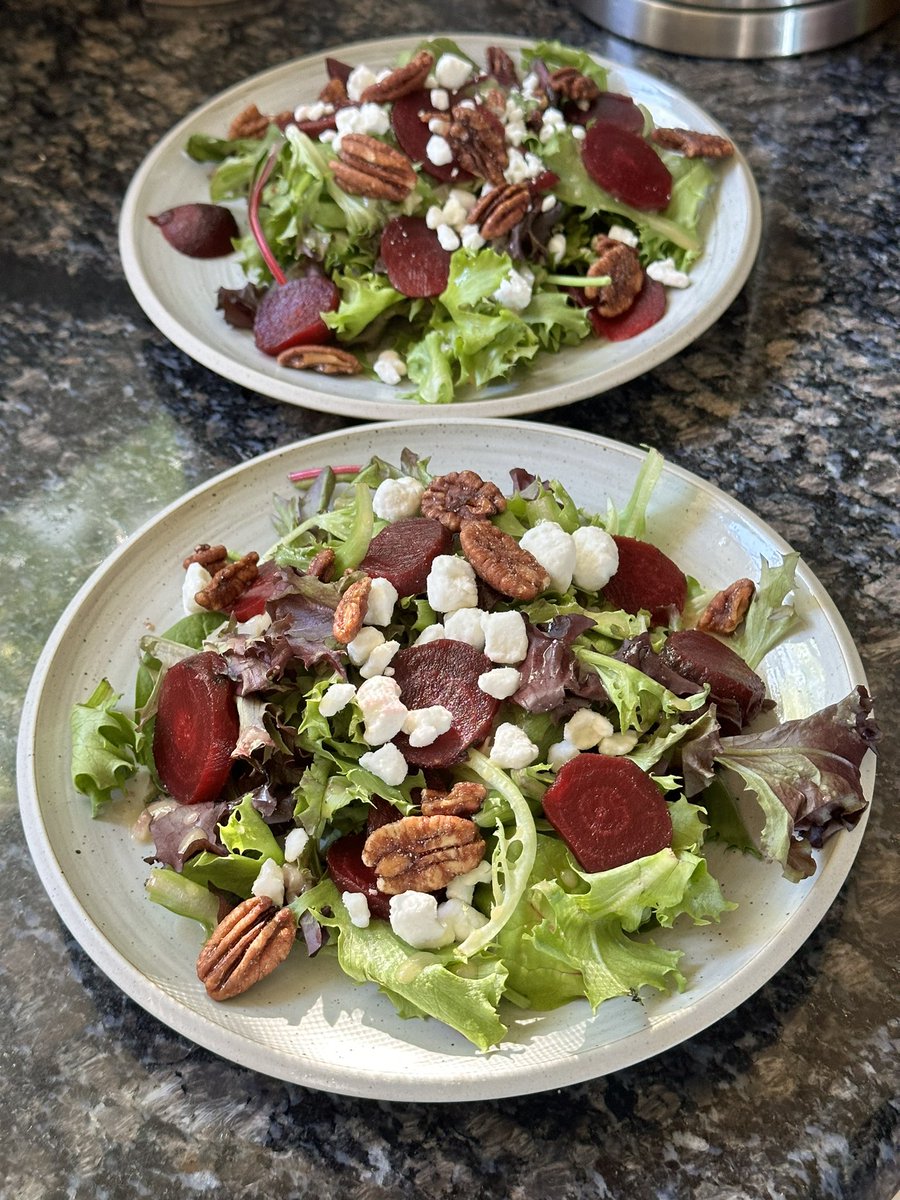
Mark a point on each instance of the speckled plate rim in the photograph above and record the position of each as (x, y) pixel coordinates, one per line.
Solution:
(178, 294)
(462, 1079)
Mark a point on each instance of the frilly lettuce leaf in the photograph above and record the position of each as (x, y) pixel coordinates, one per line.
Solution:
(103, 746)
(640, 701)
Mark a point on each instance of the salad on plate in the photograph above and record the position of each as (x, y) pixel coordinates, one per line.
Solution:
(473, 741)
(441, 223)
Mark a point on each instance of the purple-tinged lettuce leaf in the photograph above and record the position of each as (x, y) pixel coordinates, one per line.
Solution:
(550, 669)
(804, 773)
(185, 830)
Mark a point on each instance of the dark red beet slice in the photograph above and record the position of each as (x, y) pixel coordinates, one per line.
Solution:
(196, 728)
(545, 182)
(198, 230)
(649, 305)
(404, 551)
(445, 672)
(290, 314)
(416, 262)
(607, 811)
(613, 107)
(350, 873)
(413, 135)
(626, 166)
(337, 69)
(381, 813)
(254, 600)
(646, 578)
(314, 128)
(703, 659)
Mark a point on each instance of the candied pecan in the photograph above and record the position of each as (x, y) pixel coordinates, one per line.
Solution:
(351, 610)
(229, 583)
(461, 496)
(371, 168)
(251, 123)
(401, 82)
(322, 565)
(211, 557)
(693, 144)
(248, 944)
(501, 66)
(478, 142)
(727, 608)
(327, 360)
(500, 561)
(569, 82)
(463, 799)
(621, 263)
(335, 92)
(422, 854)
(500, 209)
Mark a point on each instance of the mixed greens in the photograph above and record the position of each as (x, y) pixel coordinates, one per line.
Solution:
(303, 775)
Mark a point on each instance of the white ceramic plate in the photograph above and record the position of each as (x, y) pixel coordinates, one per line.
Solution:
(178, 294)
(307, 1023)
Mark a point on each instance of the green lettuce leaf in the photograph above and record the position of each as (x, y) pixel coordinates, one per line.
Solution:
(103, 746)
(555, 55)
(249, 842)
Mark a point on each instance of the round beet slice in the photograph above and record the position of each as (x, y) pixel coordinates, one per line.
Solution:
(613, 107)
(404, 551)
(350, 874)
(198, 230)
(445, 672)
(290, 314)
(626, 166)
(607, 811)
(196, 728)
(416, 263)
(646, 578)
(413, 135)
(648, 307)
(702, 658)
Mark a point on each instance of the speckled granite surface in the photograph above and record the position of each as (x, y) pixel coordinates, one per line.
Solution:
(789, 403)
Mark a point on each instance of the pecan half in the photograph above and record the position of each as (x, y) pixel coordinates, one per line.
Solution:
(251, 123)
(500, 209)
(693, 144)
(229, 583)
(500, 561)
(401, 82)
(327, 360)
(569, 82)
(371, 168)
(351, 610)
(727, 608)
(335, 92)
(501, 66)
(461, 496)
(621, 263)
(478, 142)
(463, 799)
(422, 854)
(251, 941)
(322, 565)
(213, 558)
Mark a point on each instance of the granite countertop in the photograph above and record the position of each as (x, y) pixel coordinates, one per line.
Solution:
(788, 403)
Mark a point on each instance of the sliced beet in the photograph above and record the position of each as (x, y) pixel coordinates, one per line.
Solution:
(198, 230)
(350, 874)
(445, 672)
(613, 107)
(381, 813)
(648, 307)
(627, 166)
(404, 551)
(416, 263)
(290, 314)
(703, 659)
(648, 579)
(314, 128)
(413, 134)
(196, 728)
(607, 811)
(335, 69)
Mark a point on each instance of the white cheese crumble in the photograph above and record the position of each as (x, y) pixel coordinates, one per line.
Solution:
(621, 233)
(618, 743)
(396, 499)
(451, 71)
(556, 247)
(336, 698)
(596, 557)
(358, 80)
(378, 662)
(470, 238)
(512, 747)
(437, 150)
(294, 844)
(440, 99)
(586, 729)
(425, 725)
(390, 368)
(414, 919)
(664, 271)
(553, 122)
(548, 202)
(555, 551)
(515, 290)
(505, 637)
(368, 118)
(451, 584)
(196, 578)
(560, 753)
(382, 598)
(359, 649)
(579, 133)
(313, 112)
(431, 633)
(448, 238)
(460, 918)
(382, 709)
(464, 625)
(501, 683)
(387, 763)
(462, 887)
(357, 907)
(522, 166)
(269, 882)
